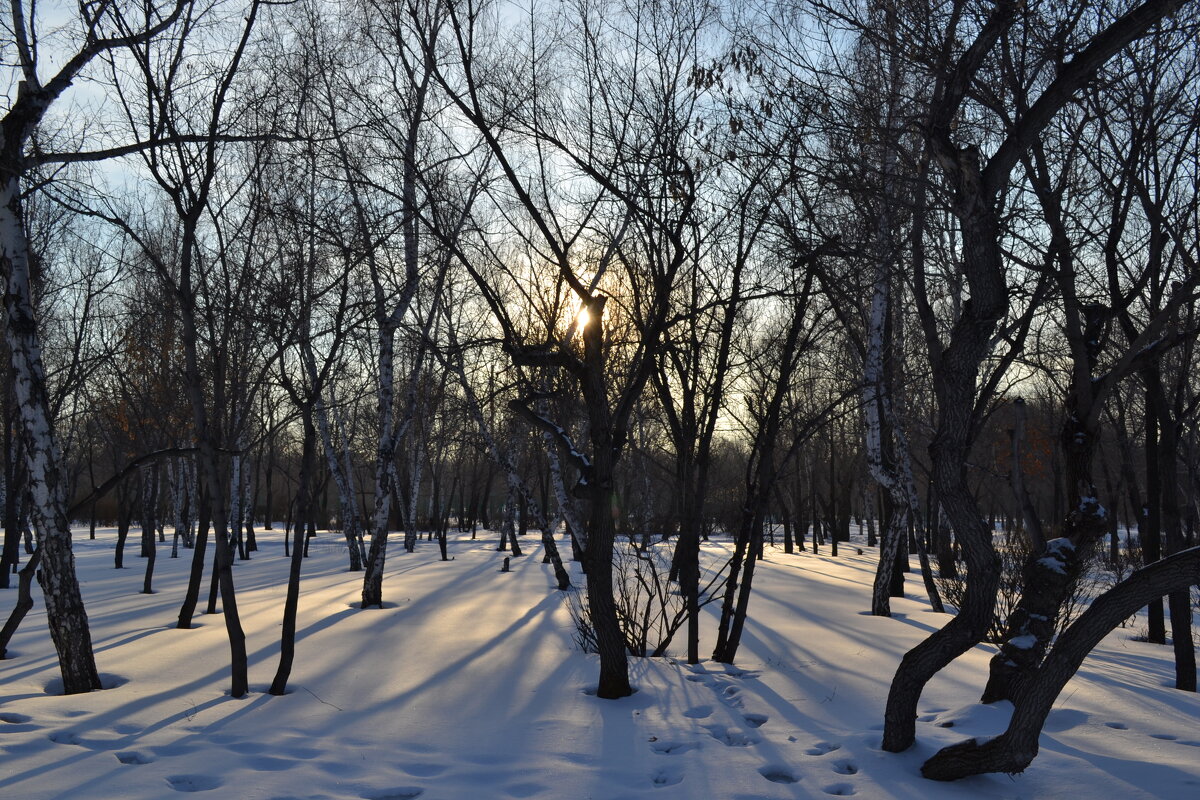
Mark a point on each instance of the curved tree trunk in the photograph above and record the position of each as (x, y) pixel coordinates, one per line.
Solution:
(1016, 748)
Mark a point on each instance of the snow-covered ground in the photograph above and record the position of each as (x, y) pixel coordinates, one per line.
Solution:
(469, 686)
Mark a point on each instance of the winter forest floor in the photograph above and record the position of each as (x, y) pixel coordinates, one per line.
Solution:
(469, 686)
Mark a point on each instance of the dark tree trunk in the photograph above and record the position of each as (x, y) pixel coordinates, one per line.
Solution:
(24, 603)
(304, 503)
(196, 575)
(124, 520)
(1015, 749)
(149, 523)
(1150, 529)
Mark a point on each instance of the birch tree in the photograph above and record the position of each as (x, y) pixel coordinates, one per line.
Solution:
(96, 31)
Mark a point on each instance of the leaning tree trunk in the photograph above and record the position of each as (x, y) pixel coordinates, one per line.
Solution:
(1016, 748)
(287, 647)
(24, 602)
(46, 482)
(191, 597)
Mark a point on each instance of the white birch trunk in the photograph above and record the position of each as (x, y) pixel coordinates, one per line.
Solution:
(46, 485)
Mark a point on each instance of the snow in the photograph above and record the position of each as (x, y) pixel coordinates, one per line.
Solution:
(467, 685)
(1057, 552)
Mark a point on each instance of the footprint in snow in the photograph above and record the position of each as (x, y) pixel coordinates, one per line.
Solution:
(193, 783)
(671, 748)
(1117, 726)
(839, 789)
(424, 770)
(778, 773)
(845, 767)
(17, 723)
(398, 793)
(1166, 737)
(821, 748)
(698, 712)
(666, 777)
(65, 737)
(134, 757)
(743, 673)
(731, 736)
(1190, 742)
(755, 720)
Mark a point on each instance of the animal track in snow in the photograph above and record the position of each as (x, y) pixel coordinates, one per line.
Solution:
(14, 719)
(839, 789)
(845, 767)
(821, 748)
(777, 773)
(755, 720)
(1166, 737)
(65, 737)
(1117, 726)
(698, 712)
